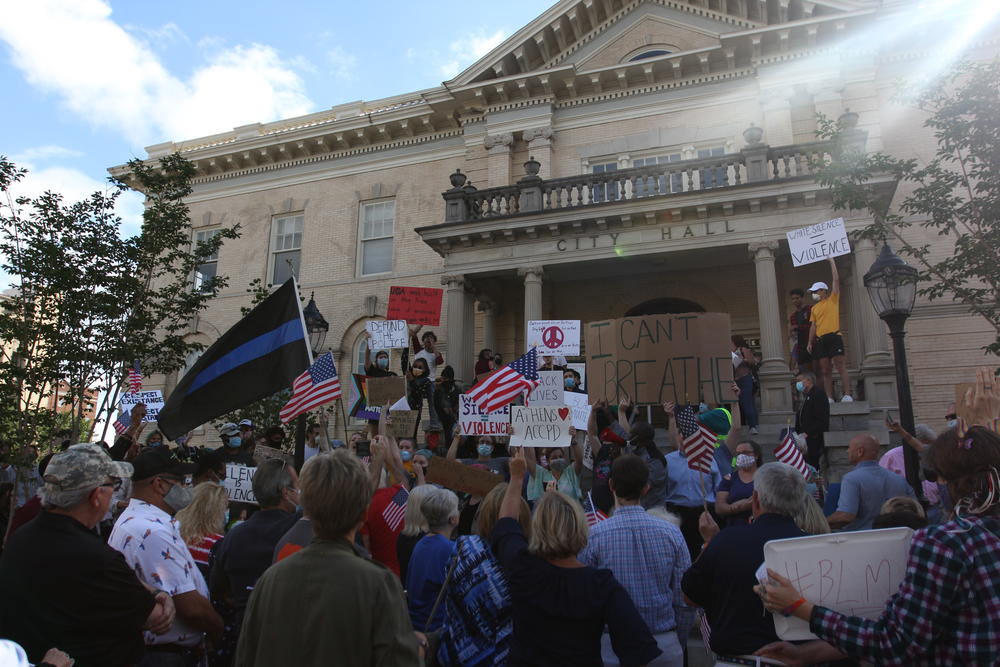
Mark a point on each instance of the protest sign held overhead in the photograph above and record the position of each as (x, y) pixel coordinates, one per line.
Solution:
(385, 391)
(579, 406)
(473, 421)
(540, 426)
(549, 391)
(818, 242)
(358, 399)
(657, 358)
(402, 423)
(153, 400)
(554, 337)
(416, 305)
(386, 334)
(457, 476)
(239, 483)
(262, 453)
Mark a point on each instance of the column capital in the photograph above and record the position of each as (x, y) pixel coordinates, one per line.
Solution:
(538, 133)
(531, 273)
(454, 281)
(762, 250)
(503, 140)
(484, 304)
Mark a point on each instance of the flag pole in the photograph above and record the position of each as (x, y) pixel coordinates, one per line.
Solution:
(300, 423)
(302, 319)
(704, 496)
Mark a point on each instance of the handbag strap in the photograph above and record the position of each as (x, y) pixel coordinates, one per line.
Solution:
(444, 588)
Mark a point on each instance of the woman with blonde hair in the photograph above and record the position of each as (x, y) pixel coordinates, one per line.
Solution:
(810, 518)
(560, 606)
(414, 527)
(203, 522)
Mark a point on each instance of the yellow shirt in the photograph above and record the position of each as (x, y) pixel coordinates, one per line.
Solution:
(826, 315)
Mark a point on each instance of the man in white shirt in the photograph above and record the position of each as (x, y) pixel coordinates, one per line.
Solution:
(426, 349)
(149, 538)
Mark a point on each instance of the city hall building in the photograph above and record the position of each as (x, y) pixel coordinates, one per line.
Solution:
(611, 158)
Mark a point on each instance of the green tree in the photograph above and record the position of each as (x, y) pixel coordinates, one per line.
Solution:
(955, 195)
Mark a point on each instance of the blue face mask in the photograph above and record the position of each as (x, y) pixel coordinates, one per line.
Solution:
(570, 383)
(800, 386)
(383, 362)
(234, 442)
(484, 450)
(406, 455)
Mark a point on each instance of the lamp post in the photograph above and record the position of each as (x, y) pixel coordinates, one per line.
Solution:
(892, 286)
(317, 327)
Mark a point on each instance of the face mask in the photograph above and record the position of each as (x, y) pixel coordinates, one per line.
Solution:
(815, 296)
(558, 465)
(800, 386)
(745, 461)
(155, 443)
(418, 372)
(234, 442)
(178, 497)
(383, 362)
(702, 407)
(570, 383)
(484, 450)
(406, 455)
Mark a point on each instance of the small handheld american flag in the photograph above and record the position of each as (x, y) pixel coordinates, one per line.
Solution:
(699, 447)
(593, 514)
(317, 385)
(686, 421)
(788, 453)
(123, 422)
(499, 389)
(396, 509)
(134, 378)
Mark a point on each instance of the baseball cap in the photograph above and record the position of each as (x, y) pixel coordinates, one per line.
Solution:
(153, 462)
(83, 466)
(818, 286)
(229, 428)
(246, 422)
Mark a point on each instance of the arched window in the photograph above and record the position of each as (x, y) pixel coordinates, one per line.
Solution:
(358, 363)
(649, 54)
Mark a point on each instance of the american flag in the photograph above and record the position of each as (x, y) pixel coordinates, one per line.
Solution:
(788, 453)
(593, 514)
(686, 421)
(317, 385)
(499, 389)
(396, 509)
(135, 378)
(123, 422)
(699, 448)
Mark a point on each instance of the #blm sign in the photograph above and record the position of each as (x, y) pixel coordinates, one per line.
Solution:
(853, 573)
(540, 426)
(549, 390)
(554, 337)
(386, 334)
(681, 358)
(473, 421)
(579, 409)
(239, 483)
(153, 400)
(417, 305)
(818, 242)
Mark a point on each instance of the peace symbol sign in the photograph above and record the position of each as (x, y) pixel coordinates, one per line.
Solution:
(553, 337)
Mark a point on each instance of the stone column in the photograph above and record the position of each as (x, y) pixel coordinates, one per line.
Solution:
(540, 147)
(498, 158)
(877, 368)
(775, 393)
(457, 355)
(532, 292)
(489, 310)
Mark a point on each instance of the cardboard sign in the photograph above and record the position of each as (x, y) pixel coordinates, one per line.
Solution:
(540, 426)
(457, 476)
(473, 421)
(579, 405)
(152, 399)
(582, 370)
(384, 391)
(239, 483)
(262, 453)
(818, 242)
(387, 334)
(416, 305)
(554, 337)
(403, 423)
(681, 358)
(853, 573)
(549, 390)
(356, 392)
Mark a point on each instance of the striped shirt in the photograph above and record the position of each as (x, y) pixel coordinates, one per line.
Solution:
(201, 551)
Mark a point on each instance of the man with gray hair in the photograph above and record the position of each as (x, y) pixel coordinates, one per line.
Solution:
(723, 577)
(63, 586)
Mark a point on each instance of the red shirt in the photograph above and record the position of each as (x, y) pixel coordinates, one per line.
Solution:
(200, 551)
(25, 513)
(382, 540)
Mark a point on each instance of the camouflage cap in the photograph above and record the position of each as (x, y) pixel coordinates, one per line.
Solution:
(83, 466)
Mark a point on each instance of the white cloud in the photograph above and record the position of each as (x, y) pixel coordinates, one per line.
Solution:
(343, 65)
(113, 79)
(161, 36)
(469, 48)
(37, 154)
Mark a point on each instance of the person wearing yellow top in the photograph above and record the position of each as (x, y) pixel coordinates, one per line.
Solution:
(825, 343)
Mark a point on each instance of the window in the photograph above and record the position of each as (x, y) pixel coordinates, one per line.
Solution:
(604, 191)
(377, 224)
(208, 269)
(649, 54)
(714, 177)
(359, 354)
(645, 187)
(286, 244)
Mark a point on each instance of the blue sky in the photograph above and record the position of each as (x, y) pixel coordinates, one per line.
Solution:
(90, 83)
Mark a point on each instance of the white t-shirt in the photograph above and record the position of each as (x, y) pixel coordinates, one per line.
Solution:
(310, 452)
(150, 540)
(431, 359)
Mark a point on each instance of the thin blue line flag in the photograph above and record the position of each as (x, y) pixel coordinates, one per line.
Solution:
(260, 355)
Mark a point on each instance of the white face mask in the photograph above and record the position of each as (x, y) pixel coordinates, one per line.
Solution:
(745, 461)
(815, 296)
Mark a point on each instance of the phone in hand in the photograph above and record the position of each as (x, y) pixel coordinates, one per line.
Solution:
(888, 418)
(364, 448)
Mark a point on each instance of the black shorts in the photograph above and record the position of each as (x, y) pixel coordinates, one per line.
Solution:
(828, 346)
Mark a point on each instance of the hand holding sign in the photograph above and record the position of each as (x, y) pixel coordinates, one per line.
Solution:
(386, 334)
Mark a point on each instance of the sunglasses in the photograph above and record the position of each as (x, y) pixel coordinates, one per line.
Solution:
(115, 484)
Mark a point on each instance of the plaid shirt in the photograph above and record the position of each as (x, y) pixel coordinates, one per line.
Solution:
(648, 556)
(947, 609)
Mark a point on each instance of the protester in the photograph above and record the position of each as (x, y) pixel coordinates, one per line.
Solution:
(420, 387)
(446, 397)
(813, 417)
(316, 441)
(63, 586)
(484, 363)
(414, 527)
(810, 518)
(726, 427)
(33, 507)
(606, 438)
(744, 362)
(246, 430)
(866, 487)
(422, 459)
(27, 479)
(327, 604)
(944, 610)
(642, 445)
(571, 381)
(825, 343)
(154, 439)
(203, 522)
(147, 535)
(429, 562)
(721, 579)
(485, 448)
(560, 605)
(379, 534)
(557, 472)
(210, 467)
(232, 451)
(275, 437)
(379, 369)
(894, 460)
(733, 495)
(425, 349)
(648, 557)
(798, 329)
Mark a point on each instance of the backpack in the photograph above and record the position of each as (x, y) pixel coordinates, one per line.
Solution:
(478, 624)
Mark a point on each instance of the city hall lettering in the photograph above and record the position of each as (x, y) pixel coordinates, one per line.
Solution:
(670, 233)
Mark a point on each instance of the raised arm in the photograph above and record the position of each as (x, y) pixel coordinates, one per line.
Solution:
(394, 461)
(529, 456)
(577, 450)
(510, 507)
(377, 462)
(623, 406)
(592, 436)
(675, 439)
(834, 277)
(453, 448)
(734, 429)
